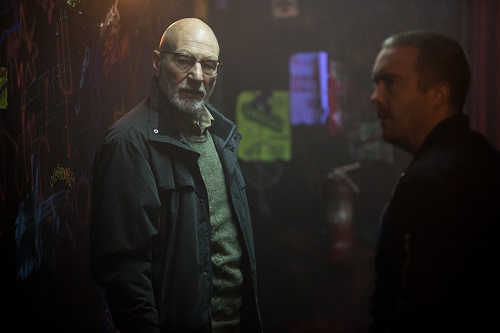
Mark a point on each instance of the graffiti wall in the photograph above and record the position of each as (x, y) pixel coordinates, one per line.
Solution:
(62, 64)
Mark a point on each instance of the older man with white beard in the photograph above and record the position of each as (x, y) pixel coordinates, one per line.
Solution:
(171, 233)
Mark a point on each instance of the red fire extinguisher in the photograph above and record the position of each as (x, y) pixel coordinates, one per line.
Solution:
(340, 211)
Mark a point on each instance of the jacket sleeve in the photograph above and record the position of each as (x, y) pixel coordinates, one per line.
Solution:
(420, 252)
(125, 217)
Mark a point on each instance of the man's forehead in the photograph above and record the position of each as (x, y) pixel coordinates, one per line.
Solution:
(198, 38)
(396, 59)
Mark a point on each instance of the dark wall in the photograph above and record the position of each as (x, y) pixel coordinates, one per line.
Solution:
(73, 68)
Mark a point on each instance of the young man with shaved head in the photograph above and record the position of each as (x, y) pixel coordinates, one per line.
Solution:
(438, 240)
(171, 233)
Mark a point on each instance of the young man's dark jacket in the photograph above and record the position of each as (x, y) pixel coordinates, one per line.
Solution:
(438, 247)
(150, 232)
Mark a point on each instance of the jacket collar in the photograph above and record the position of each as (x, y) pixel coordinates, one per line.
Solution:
(445, 130)
(161, 124)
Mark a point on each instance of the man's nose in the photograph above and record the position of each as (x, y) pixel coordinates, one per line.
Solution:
(196, 72)
(375, 96)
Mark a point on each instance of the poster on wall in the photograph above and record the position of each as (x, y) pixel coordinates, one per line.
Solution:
(308, 87)
(262, 117)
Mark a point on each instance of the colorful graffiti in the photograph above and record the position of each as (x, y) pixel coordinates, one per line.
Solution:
(50, 126)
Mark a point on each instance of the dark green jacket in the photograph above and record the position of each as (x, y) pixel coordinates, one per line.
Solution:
(150, 232)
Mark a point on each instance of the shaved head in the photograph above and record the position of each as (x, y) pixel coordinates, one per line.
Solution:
(187, 29)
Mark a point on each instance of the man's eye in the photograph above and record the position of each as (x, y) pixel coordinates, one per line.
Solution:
(388, 82)
(185, 60)
(209, 65)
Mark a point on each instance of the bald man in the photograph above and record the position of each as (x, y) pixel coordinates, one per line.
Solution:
(171, 233)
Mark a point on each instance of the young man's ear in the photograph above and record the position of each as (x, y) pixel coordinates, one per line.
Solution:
(440, 93)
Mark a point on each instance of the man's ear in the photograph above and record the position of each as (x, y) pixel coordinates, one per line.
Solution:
(156, 62)
(440, 94)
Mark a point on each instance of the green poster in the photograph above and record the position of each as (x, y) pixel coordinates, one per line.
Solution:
(263, 119)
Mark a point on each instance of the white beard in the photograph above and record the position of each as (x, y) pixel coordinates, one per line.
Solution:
(188, 106)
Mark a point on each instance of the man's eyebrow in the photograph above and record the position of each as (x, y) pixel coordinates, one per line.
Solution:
(384, 76)
(187, 54)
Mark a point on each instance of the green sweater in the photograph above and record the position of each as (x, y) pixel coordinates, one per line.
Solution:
(226, 251)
